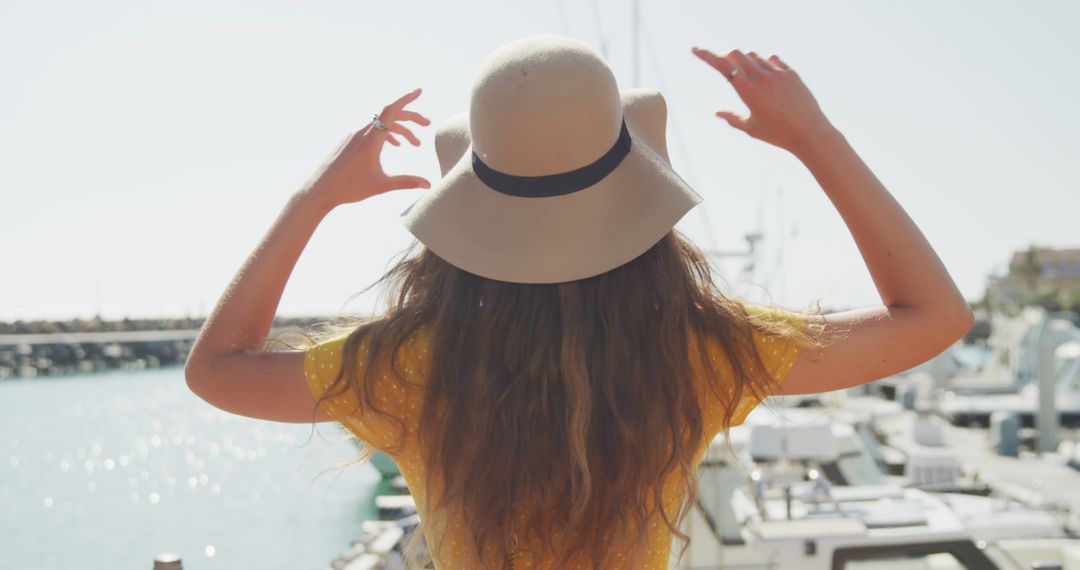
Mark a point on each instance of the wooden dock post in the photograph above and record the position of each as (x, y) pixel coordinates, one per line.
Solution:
(168, 561)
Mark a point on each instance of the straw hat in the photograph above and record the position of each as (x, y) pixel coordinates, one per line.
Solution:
(554, 174)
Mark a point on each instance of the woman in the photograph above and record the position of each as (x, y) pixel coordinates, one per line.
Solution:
(557, 357)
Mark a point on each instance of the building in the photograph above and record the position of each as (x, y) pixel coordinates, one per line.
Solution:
(1048, 277)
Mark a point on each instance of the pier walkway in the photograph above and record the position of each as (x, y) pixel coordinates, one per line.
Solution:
(1028, 478)
(1042, 482)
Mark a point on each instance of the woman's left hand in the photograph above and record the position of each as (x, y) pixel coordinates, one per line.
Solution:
(354, 172)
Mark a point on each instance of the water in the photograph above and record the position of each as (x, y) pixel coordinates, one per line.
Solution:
(109, 470)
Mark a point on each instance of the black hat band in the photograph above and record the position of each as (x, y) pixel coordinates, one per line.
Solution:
(555, 184)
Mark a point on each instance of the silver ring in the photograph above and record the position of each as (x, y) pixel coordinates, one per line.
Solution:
(734, 72)
(378, 124)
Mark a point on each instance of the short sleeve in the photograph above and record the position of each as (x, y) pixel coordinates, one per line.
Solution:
(778, 352)
(322, 364)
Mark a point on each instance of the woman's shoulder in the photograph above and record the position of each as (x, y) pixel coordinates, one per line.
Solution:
(331, 348)
(325, 360)
(396, 390)
(774, 334)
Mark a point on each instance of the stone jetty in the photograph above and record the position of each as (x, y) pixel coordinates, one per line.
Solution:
(29, 349)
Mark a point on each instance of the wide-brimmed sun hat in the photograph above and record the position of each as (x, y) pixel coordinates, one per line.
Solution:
(554, 174)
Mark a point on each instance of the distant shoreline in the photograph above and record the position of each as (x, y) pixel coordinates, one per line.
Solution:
(103, 337)
(31, 349)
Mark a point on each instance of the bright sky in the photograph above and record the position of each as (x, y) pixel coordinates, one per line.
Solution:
(147, 146)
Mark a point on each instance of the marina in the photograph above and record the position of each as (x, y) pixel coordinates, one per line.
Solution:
(855, 480)
(785, 513)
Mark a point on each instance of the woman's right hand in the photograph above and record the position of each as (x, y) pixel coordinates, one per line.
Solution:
(355, 172)
(782, 110)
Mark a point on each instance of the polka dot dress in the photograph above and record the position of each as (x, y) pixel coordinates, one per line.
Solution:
(323, 361)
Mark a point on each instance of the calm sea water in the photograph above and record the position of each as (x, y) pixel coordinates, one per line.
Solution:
(109, 470)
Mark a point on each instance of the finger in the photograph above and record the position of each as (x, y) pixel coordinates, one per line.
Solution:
(405, 132)
(403, 100)
(716, 62)
(733, 119)
(413, 116)
(728, 69)
(403, 182)
(762, 65)
(775, 59)
(390, 138)
(746, 66)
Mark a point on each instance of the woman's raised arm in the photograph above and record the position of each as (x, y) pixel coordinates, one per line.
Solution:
(225, 367)
(923, 312)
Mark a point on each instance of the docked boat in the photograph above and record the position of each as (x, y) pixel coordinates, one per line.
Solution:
(968, 409)
(806, 491)
(788, 514)
(830, 483)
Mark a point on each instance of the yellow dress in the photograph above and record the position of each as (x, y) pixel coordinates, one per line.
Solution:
(323, 361)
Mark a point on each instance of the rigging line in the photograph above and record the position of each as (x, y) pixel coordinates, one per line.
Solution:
(763, 196)
(677, 135)
(599, 23)
(777, 272)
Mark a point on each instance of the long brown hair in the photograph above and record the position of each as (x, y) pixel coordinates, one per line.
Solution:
(570, 402)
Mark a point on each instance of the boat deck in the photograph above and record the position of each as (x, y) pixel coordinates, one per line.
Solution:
(1029, 479)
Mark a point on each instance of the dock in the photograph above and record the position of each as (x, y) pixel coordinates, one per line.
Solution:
(1036, 481)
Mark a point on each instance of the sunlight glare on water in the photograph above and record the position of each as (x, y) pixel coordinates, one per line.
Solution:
(109, 470)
